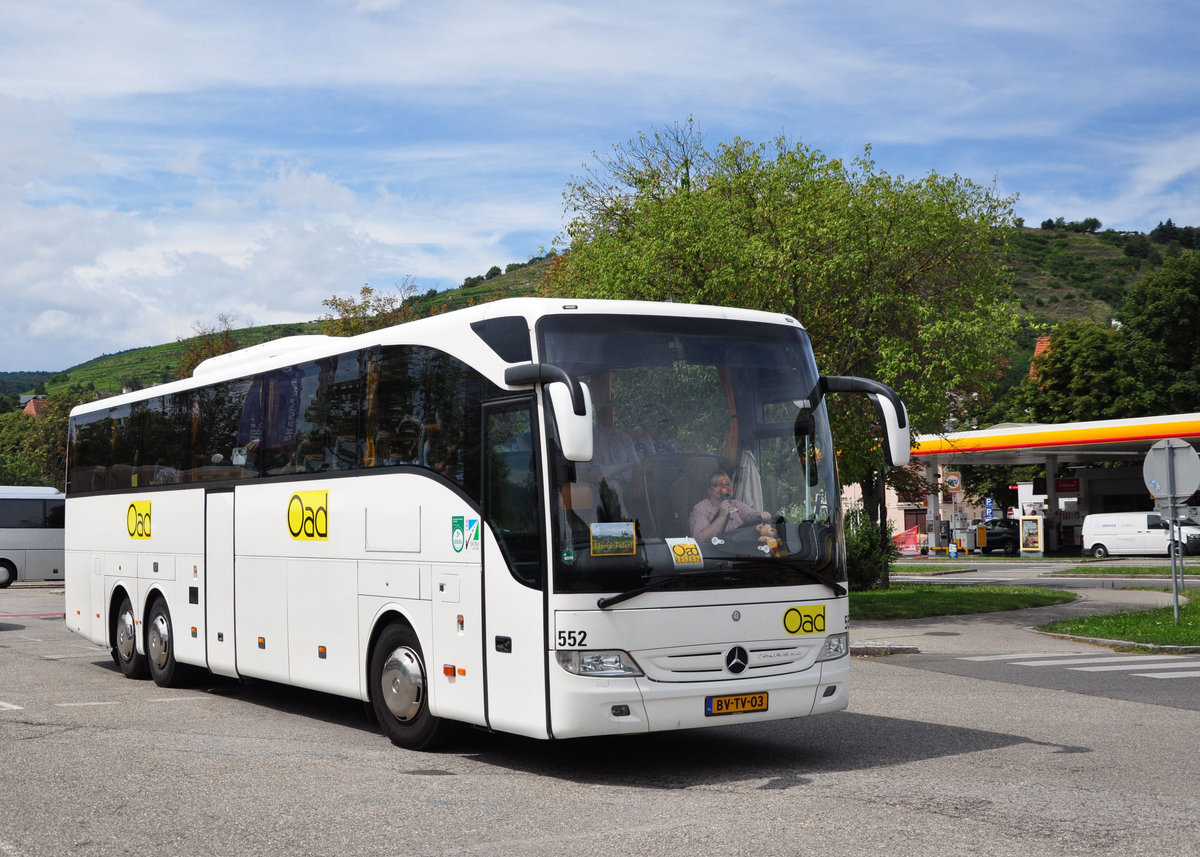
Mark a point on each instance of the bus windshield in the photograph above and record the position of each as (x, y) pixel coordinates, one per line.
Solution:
(712, 462)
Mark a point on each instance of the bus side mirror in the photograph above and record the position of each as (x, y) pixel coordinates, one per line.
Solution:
(897, 444)
(574, 430)
(896, 440)
(572, 401)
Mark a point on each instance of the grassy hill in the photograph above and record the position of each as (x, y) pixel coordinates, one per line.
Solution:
(1058, 275)
(156, 364)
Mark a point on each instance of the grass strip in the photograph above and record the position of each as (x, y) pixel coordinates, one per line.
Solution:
(1097, 570)
(1143, 627)
(921, 600)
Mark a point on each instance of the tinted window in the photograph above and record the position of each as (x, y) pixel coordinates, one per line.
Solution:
(422, 410)
(22, 514)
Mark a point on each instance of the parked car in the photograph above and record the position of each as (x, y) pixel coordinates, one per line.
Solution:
(1002, 535)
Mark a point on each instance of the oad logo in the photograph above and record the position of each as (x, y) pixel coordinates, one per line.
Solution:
(137, 519)
(804, 620)
(686, 553)
(308, 516)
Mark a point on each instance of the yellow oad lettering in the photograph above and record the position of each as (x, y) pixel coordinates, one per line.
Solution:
(804, 620)
(308, 516)
(686, 554)
(137, 519)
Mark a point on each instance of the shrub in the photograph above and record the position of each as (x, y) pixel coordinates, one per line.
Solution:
(869, 551)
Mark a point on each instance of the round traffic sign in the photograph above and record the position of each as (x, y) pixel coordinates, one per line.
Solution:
(1172, 470)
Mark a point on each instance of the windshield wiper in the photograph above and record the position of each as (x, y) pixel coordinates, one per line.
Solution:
(815, 576)
(661, 583)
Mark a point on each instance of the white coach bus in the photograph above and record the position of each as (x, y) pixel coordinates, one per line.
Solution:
(429, 518)
(31, 534)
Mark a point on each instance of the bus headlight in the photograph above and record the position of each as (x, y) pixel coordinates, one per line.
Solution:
(836, 646)
(597, 663)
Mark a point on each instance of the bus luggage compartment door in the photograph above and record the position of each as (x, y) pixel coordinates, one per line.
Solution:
(218, 577)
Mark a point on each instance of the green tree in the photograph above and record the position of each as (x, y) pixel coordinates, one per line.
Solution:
(210, 340)
(1149, 364)
(1160, 330)
(371, 310)
(33, 450)
(895, 279)
(1080, 376)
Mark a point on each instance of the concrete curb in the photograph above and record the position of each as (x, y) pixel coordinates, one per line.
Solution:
(1100, 641)
(872, 649)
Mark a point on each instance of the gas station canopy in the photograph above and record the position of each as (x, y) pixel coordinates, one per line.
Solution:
(1012, 444)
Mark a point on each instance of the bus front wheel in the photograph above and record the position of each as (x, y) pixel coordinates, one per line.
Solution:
(160, 646)
(124, 650)
(8, 573)
(399, 690)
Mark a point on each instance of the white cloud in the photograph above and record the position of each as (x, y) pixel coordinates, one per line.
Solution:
(163, 162)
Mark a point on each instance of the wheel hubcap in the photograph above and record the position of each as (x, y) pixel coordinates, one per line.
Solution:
(403, 684)
(158, 641)
(125, 636)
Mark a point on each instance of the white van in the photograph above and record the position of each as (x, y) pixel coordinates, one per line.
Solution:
(1134, 533)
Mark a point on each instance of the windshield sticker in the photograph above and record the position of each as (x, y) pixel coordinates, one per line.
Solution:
(617, 539)
(685, 553)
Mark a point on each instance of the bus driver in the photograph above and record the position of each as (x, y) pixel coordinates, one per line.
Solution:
(719, 512)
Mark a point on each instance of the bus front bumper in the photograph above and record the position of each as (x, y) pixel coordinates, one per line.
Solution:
(582, 706)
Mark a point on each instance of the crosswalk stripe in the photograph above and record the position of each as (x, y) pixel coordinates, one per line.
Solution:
(1193, 674)
(1112, 659)
(1011, 656)
(1179, 666)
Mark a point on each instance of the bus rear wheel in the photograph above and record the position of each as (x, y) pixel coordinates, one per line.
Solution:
(160, 646)
(124, 650)
(8, 573)
(399, 690)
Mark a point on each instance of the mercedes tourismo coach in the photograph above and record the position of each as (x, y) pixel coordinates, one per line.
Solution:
(490, 516)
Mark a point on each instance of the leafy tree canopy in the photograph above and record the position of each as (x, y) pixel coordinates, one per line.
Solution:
(371, 310)
(895, 279)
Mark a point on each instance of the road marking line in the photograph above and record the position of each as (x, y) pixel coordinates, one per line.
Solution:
(80, 704)
(1193, 674)
(1066, 662)
(1013, 655)
(33, 615)
(1179, 666)
(8, 706)
(181, 699)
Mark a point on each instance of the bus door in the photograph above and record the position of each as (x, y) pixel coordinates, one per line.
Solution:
(218, 578)
(513, 571)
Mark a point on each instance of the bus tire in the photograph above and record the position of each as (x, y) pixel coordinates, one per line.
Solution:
(399, 690)
(8, 573)
(124, 650)
(160, 646)
(1099, 551)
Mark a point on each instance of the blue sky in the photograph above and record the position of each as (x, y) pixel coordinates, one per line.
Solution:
(163, 162)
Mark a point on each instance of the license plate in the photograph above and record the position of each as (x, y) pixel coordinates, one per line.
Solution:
(741, 703)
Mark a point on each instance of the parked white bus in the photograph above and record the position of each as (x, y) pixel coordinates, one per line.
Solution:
(427, 518)
(31, 534)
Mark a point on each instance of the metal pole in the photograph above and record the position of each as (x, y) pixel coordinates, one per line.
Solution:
(1171, 512)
